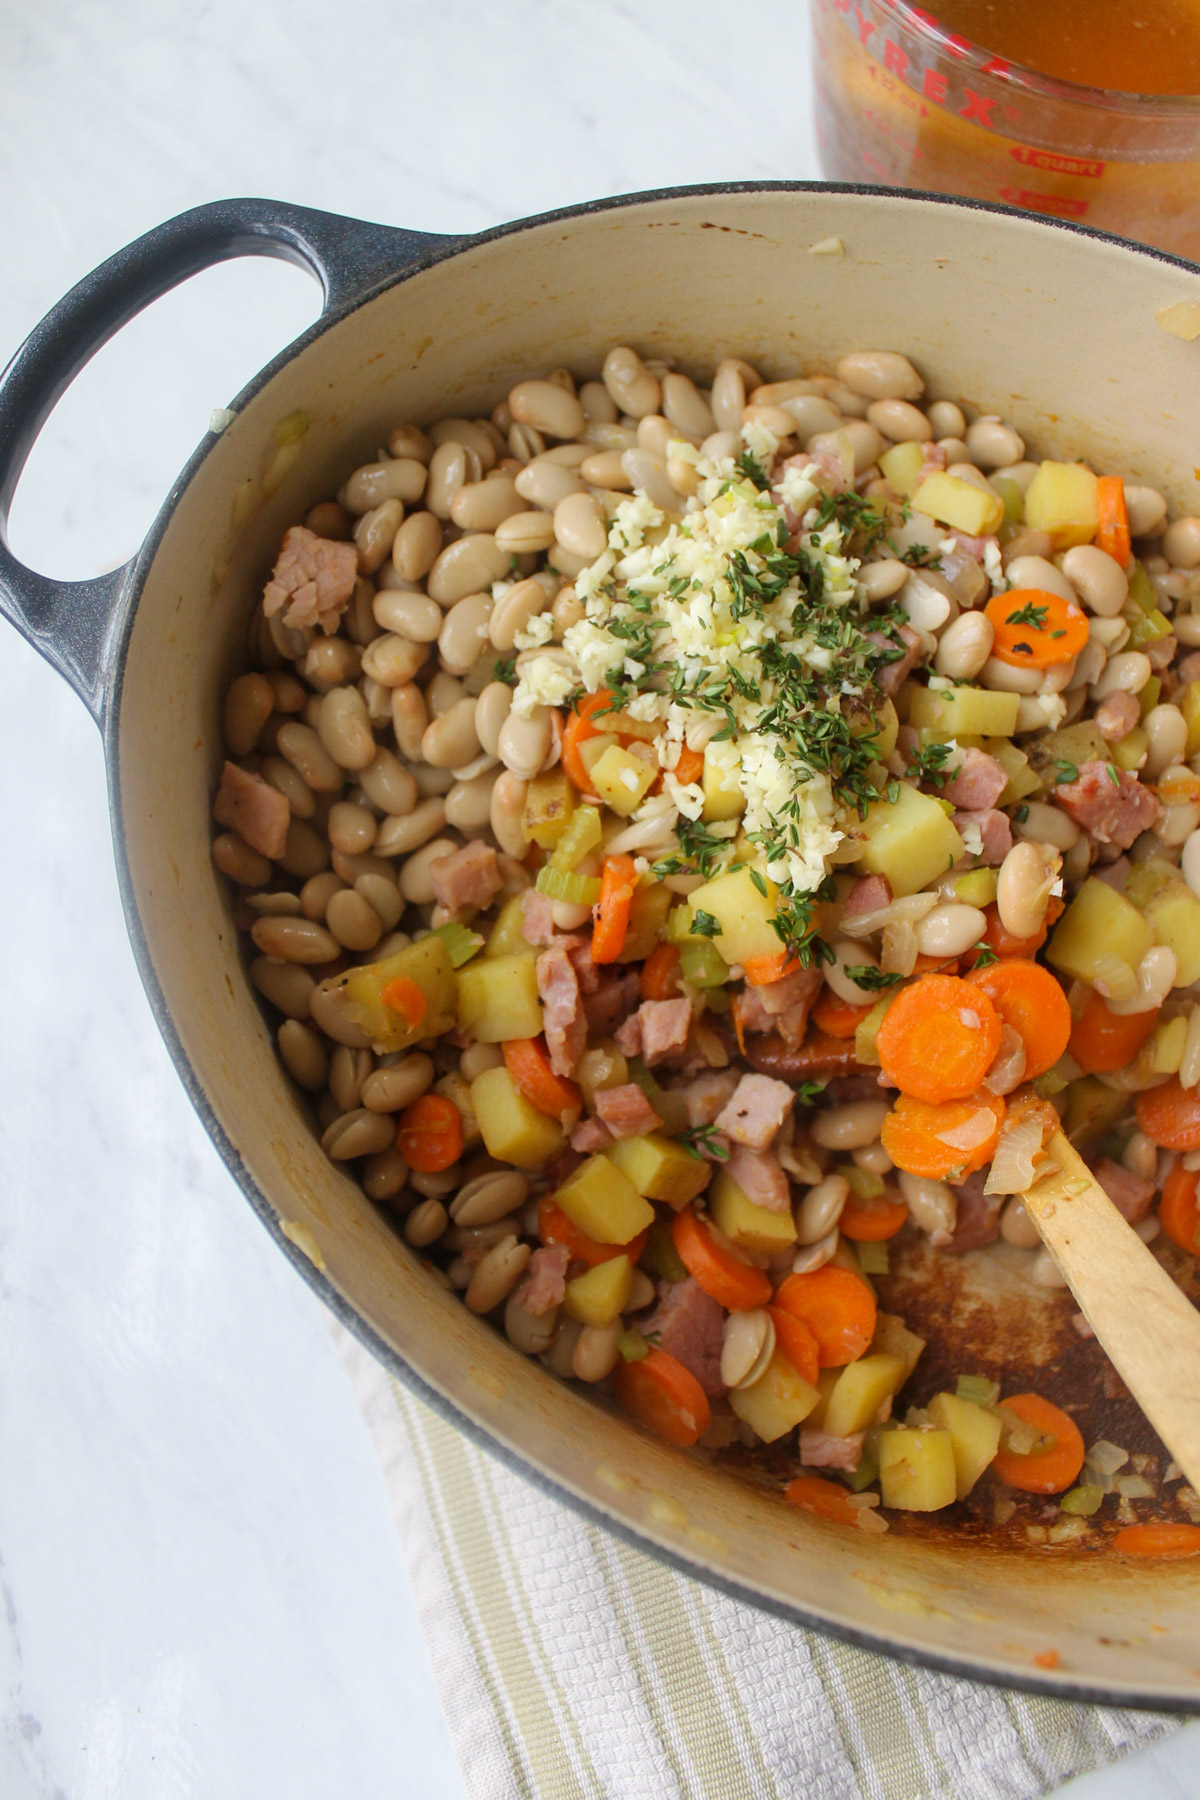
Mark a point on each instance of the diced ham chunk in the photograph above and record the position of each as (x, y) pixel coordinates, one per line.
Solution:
(705, 1094)
(893, 674)
(868, 894)
(545, 1286)
(978, 1219)
(756, 1111)
(1132, 1195)
(821, 1450)
(690, 1326)
(625, 1110)
(587, 972)
(468, 879)
(658, 1029)
(1113, 811)
(563, 1020)
(615, 996)
(781, 1006)
(995, 836)
(313, 577)
(977, 784)
(537, 926)
(254, 809)
(590, 1135)
(933, 456)
(760, 1175)
(1116, 715)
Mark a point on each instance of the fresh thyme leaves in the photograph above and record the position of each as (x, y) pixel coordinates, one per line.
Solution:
(921, 556)
(1112, 775)
(925, 763)
(1064, 772)
(706, 1137)
(505, 670)
(809, 1091)
(865, 525)
(704, 925)
(1029, 614)
(748, 465)
(702, 851)
(871, 979)
(984, 955)
(753, 589)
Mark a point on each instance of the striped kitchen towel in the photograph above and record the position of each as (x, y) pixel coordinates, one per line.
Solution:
(571, 1667)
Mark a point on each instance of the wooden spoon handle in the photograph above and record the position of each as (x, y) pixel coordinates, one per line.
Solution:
(1148, 1327)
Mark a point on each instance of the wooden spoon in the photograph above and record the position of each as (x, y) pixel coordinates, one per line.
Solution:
(1149, 1328)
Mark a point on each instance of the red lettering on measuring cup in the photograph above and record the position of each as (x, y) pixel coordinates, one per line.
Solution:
(1059, 165)
(978, 108)
(894, 58)
(996, 65)
(933, 86)
(1057, 205)
(865, 26)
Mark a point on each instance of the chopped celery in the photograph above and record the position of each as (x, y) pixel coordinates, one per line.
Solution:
(1084, 1500)
(1051, 1083)
(1148, 698)
(564, 884)
(976, 888)
(661, 1254)
(978, 1389)
(633, 1346)
(1148, 623)
(1013, 498)
(868, 1468)
(1148, 629)
(873, 1258)
(701, 963)
(863, 1185)
(640, 1075)
(1141, 589)
(716, 999)
(461, 944)
(582, 834)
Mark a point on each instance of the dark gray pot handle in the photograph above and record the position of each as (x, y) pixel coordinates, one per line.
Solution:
(71, 622)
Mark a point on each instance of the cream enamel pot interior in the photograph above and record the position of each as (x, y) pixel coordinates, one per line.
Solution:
(1047, 324)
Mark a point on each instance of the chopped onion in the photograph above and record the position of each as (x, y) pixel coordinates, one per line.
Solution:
(1106, 1458)
(1012, 1170)
(1114, 979)
(1134, 1487)
(908, 909)
(899, 948)
(973, 1131)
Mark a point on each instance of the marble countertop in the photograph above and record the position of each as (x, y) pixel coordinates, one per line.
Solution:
(203, 1593)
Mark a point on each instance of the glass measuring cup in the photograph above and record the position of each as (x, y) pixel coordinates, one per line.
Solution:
(904, 102)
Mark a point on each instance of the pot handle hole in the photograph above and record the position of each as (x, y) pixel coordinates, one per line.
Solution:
(73, 624)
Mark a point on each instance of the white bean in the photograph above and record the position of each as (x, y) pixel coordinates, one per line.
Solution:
(880, 580)
(821, 1208)
(1181, 543)
(1129, 670)
(1189, 862)
(858, 956)
(950, 930)
(1045, 1272)
(1006, 679)
(1166, 728)
(524, 741)
(1146, 509)
(947, 419)
(900, 421)
(1043, 824)
(1097, 578)
(880, 375)
(965, 646)
(1037, 572)
(993, 444)
(416, 882)
(1016, 1226)
(851, 1126)
(1023, 890)
(932, 1205)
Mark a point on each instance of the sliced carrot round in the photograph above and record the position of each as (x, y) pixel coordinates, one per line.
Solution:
(797, 1342)
(1028, 998)
(872, 1221)
(837, 1018)
(660, 973)
(430, 1134)
(812, 1493)
(528, 1064)
(1158, 1537)
(1178, 1210)
(664, 1396)
(715, 1267)
(1036, 629)
(1102, 1041)
(838, 1308)
(763, 971)
(1171, 1115)
(554, 1227)
(915, 1135)
(938, 1039)
(1048, 1471)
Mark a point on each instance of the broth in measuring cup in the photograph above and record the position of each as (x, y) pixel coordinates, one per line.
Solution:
(991, 99)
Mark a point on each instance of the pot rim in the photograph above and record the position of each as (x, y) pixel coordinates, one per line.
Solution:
(444, 249)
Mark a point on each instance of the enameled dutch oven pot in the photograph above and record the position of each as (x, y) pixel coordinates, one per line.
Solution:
(1045, 323)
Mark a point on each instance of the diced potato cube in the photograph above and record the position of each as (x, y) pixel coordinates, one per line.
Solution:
(602, 1294)
(1174, 915)
(976, 888)
(549, 803)
(507, 935)
(723, 798)
(909, 841)
(959, 504)
(974, 1437)
(916, 1470)
(660, 1169)
(1062, 500)
(893, 1338)
(1147, 880)
(1091, 1109)
(604, 1202)
(743, 913)
(1129, 752)
(961, 711)
(776, 1402)
(652, 901)
(859, 1392)
(622, 780)
(513, 1130)
(1022, 779)
(498, 998)
(1098, 923)
(745, 1223)
(885, 729)
(1078, 744)
(902, 466)
(428, 964)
